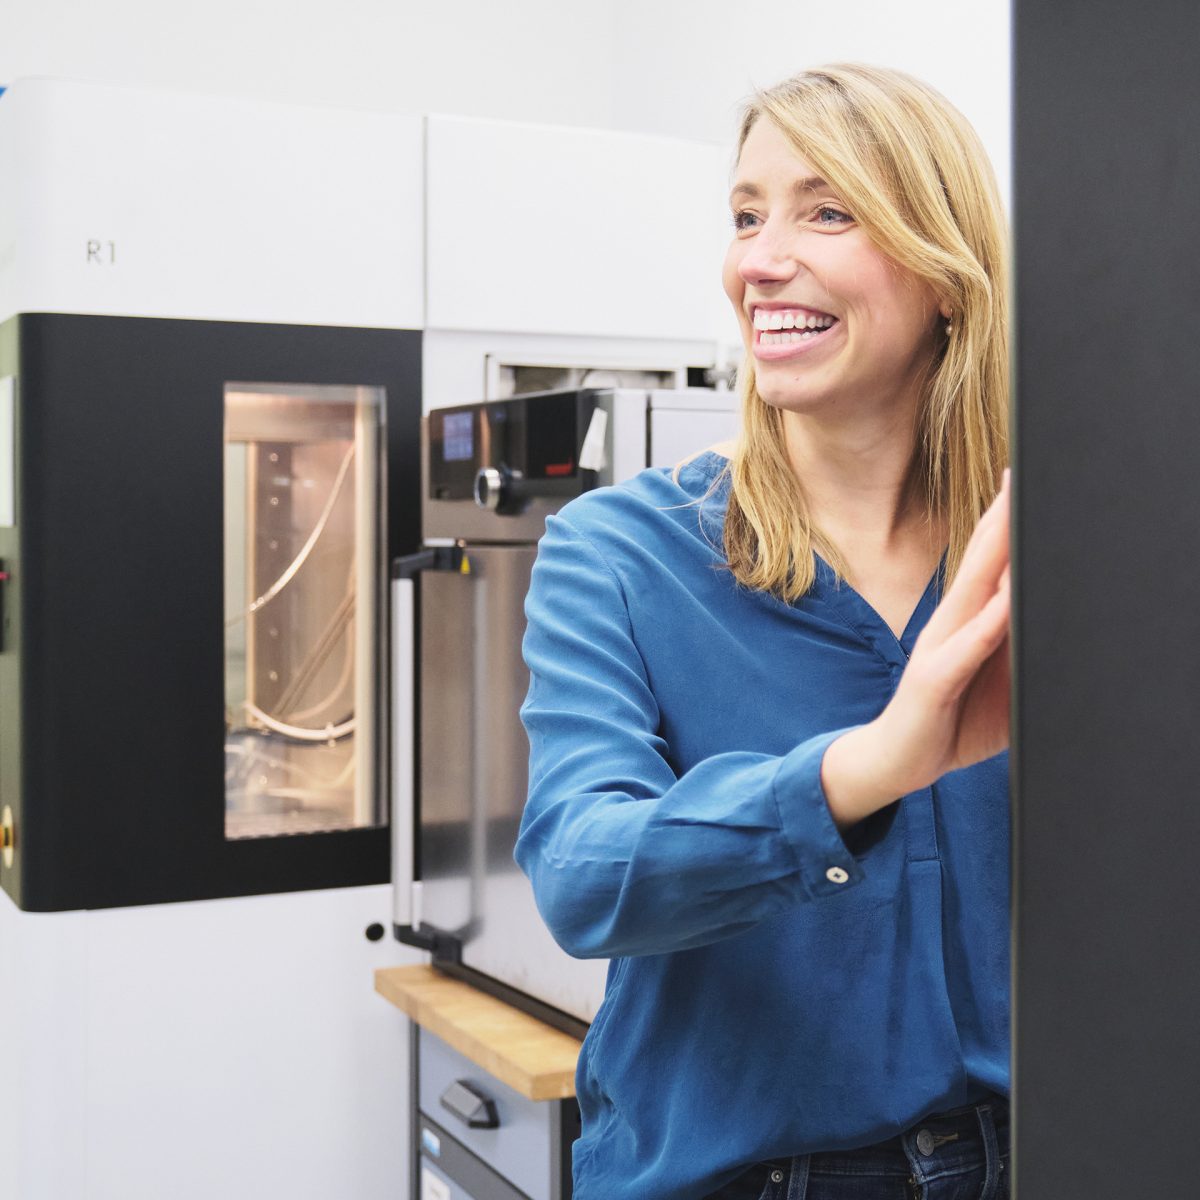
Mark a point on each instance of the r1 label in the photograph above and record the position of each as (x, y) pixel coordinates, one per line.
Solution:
(101, 253)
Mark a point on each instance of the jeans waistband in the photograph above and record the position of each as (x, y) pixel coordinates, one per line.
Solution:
(963, 1120)
(997, 1103)
(958, 1129)
(972, 1137)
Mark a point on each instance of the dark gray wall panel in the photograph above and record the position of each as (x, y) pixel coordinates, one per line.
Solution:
(1106, 752)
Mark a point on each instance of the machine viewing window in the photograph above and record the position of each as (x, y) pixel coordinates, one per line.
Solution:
(303, 563)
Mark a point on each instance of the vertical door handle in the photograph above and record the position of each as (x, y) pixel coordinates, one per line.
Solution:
(406, 887)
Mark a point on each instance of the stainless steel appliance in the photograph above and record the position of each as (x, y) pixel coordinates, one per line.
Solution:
(491, 474)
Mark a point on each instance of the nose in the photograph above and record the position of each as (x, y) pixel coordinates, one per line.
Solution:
(769, 257)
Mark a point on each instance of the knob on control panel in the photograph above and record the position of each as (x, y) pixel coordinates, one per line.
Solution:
(489, 488)
(502, 490)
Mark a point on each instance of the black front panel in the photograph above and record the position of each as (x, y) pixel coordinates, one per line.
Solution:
(1106, 757)
(112, 681)
(536, 437)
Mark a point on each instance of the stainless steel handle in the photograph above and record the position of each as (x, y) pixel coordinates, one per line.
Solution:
(405, 896)
(406, 888)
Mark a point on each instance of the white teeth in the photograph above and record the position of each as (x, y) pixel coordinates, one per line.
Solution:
(782, 319)
(786, 337)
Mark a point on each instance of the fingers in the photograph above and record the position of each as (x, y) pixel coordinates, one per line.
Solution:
(985, 724)
(984, 562)
(960, 656)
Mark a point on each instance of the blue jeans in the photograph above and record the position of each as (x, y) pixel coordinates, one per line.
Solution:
(957, 1155)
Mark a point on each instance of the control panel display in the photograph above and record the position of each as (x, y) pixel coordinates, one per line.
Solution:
(532, 440)
(458, 434)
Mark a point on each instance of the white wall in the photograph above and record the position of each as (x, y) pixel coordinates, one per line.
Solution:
(528, 60)
(676, 67)
(683, 66)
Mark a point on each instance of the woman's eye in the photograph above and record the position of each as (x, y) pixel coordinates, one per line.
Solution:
(826, 215)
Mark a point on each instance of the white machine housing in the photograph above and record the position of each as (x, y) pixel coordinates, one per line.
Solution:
(123, 202)
(229, 1047)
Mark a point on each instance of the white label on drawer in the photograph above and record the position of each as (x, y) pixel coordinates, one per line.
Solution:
(433, 1188)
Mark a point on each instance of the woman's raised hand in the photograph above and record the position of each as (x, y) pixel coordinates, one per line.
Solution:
(951, 707)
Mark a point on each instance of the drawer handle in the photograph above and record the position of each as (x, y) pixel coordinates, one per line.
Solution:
(470, 1106)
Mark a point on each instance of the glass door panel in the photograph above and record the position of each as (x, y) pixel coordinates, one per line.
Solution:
(302, 568)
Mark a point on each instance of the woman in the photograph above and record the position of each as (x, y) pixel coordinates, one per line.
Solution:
(768, 711)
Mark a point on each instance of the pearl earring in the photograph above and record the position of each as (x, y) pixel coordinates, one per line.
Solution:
(949, 326)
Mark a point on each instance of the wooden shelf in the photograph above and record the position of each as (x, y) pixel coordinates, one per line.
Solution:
(531, 1057)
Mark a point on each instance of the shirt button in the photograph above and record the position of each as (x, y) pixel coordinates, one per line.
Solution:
(776, 1176)
(925, 1142)
(836, 875)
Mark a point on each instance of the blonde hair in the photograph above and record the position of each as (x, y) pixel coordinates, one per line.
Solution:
(917, 180)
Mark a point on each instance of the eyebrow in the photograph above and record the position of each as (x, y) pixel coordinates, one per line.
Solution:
(814, 183)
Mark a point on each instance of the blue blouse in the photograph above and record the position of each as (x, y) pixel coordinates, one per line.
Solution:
(776, 987)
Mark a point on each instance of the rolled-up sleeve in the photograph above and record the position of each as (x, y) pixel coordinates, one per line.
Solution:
(625, 857)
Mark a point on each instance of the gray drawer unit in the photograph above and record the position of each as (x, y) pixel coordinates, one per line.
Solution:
(448, 1171)
(525, 1154)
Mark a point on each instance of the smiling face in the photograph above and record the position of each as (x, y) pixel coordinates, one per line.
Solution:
(829, 319)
